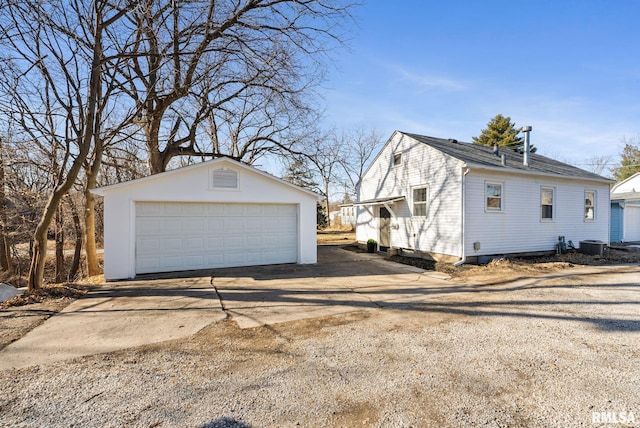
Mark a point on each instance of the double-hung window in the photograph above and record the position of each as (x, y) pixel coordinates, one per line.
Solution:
(589, 205)
(420, 201)
(493, 200)
(546, 203)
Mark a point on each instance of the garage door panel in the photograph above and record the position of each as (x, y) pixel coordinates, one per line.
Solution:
(253, 225)
(171, 262)
(215, 243)
(234, 225)
(286, 225)
(253, 210)
(632, 223)
(233, 242)
(287, 210)
(183, 236)
(149, 245)
(234, 258)
(235, 210)
(215, 260)
(193, 226)
(194, 244)
(147, 227)
(215, 226)
(254, 258)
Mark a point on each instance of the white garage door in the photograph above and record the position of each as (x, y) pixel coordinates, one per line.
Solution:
(184, 236)
(632, 223)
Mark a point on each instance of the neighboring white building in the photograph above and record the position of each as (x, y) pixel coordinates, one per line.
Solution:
(459, 200)
(348, 214)
(333, 215)
(625, 210)
(214, 214)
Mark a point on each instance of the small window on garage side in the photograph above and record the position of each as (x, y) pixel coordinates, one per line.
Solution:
(589, 205)
(420, 201)
(546, 203)
(397, 159)
(493, 196)
(224, 179)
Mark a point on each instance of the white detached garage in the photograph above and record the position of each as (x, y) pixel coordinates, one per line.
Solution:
(215, 214)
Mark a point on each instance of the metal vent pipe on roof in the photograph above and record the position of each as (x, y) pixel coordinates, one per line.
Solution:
(525, 158)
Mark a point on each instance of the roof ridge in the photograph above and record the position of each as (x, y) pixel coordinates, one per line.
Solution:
(484, 156)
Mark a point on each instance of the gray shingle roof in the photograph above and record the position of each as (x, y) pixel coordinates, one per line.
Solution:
(625, 195)
(474, 154)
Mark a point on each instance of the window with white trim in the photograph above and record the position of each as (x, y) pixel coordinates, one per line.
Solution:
(589, 205)
(493, 199)
(546, 203)
(420, 195)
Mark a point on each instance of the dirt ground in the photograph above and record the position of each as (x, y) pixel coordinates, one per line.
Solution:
(550, 350)
(21, 315)
(527, 342)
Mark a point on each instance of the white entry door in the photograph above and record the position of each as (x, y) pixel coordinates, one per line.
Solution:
(173, 236)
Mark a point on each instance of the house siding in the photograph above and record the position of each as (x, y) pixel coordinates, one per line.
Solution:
(440, 230)
(518, 227)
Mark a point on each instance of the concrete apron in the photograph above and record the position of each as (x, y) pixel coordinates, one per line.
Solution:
(128, 314)
(118, 316)
(341, 282)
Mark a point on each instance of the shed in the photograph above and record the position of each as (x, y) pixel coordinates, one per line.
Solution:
(467, 202)
(215, 214)
(625, 210)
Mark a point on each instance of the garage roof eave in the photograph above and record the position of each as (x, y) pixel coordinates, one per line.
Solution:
(379, 201)
(101, 191)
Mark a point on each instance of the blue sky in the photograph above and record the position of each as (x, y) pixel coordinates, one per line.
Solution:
(570, 69)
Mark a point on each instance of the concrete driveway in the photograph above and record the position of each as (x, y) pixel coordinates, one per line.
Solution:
(342, 281)
(117, 316)
(121, 315)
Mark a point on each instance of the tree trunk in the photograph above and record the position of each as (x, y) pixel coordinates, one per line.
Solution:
(59, 246)
(75, 264)
(6, 264)
(36, 271)
(326, 201)
(90, 204)
(157, 159)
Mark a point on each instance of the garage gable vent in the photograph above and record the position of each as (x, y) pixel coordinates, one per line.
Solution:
(224, 179)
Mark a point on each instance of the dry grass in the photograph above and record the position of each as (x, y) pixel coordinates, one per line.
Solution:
(336, 236)
(46, 293)
(503, 269)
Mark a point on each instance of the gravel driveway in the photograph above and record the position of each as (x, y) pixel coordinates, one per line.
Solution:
(559, 350)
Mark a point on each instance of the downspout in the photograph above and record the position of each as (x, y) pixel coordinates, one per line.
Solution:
(463, 258)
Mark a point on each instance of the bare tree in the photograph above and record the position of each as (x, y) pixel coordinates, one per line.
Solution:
(326, 153)
(598, 164)
(5, 253)
(359, 147)
(206, 61)
(53, 90)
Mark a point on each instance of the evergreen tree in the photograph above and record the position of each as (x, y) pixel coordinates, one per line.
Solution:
(629, 161)
(500, 130)
(321, 216)
(298, 173)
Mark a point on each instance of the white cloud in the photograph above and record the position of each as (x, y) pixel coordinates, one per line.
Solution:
(427, 81)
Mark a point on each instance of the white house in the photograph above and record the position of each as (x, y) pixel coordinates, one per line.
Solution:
(625, 210)
(214, 214)
(460, 201)
(348, 214)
